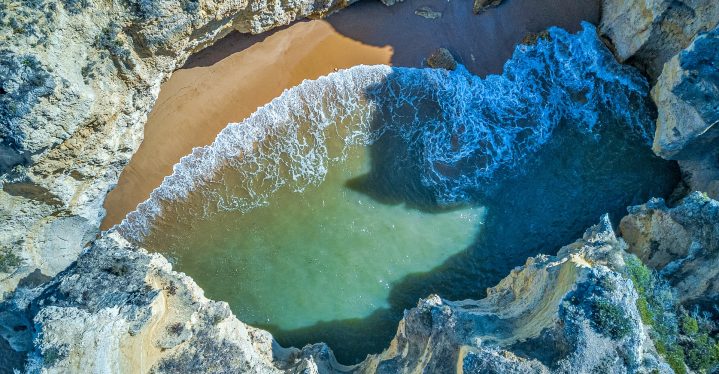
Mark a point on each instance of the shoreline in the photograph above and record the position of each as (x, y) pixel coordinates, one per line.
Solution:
(195, 104)
(228, 81)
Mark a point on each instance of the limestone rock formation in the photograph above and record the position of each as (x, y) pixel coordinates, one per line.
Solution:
(676, 42)
(681, 242)
(77, 80)
(649, 33)
(574, 312)
(687, 97)
(121, 309)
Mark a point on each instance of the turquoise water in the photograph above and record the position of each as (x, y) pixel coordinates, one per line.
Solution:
(341, 203)
(329, 253)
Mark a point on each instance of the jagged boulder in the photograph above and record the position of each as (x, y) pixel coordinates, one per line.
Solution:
(480, 6)
(441, 59)
(682, 243)
(648, 33)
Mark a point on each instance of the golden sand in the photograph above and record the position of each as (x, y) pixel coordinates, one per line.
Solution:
(197, 103)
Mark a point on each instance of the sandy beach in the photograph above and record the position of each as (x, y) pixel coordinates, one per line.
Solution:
(198, 102)
(226, 82)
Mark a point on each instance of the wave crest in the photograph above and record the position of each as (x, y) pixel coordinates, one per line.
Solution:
(460, 129)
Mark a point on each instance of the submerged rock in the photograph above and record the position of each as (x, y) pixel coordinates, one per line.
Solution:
(441, 59)
(428, 13)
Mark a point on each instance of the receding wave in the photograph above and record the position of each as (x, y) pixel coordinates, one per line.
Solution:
(460, 129)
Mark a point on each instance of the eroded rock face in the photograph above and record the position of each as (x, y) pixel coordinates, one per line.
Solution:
(687, 97)
(548, 316)
(676, 43)
(650, 32)
(77, 79)
(681, 242)
(121, 309)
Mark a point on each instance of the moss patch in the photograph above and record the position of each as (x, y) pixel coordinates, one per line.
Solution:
(609, 319)
(8, 260)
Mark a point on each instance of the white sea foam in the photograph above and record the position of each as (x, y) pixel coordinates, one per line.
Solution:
(460, 129)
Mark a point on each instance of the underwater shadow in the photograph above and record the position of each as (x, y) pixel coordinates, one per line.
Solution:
(544, 203)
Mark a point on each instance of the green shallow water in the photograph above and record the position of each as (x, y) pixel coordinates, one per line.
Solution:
(329, 253)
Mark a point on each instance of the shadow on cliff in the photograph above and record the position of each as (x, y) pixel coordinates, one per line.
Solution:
(544, 204)
(483, 42)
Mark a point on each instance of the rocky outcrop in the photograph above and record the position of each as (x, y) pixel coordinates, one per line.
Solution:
(649, 33)
(574, 312)
(676, 43)
(687, 97)
(77, 81)
(441, 59)
(121, 309)
(482, 5)
(681, 242)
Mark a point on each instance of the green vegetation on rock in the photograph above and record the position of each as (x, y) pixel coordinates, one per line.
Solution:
(610, 319)
(8, 260)
(684, 339)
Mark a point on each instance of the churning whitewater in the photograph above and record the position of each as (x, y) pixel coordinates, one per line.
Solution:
(460, 128)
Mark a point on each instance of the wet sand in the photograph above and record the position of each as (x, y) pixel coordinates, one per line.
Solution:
(227, 81)
(196, 103)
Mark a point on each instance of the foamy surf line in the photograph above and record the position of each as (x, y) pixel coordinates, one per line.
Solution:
(238, 139)
(489, 123)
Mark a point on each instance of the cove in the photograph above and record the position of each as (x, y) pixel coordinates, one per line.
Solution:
(339, 204)
(328, 253)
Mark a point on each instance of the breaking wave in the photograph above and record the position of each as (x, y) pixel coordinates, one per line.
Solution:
(460, 129)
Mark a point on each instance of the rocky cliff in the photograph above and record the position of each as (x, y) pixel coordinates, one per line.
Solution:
(682, 242)
(120, 309)
(649, 33)
(78, 79)
(676, 43)
(573, 312)
(687, 97)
